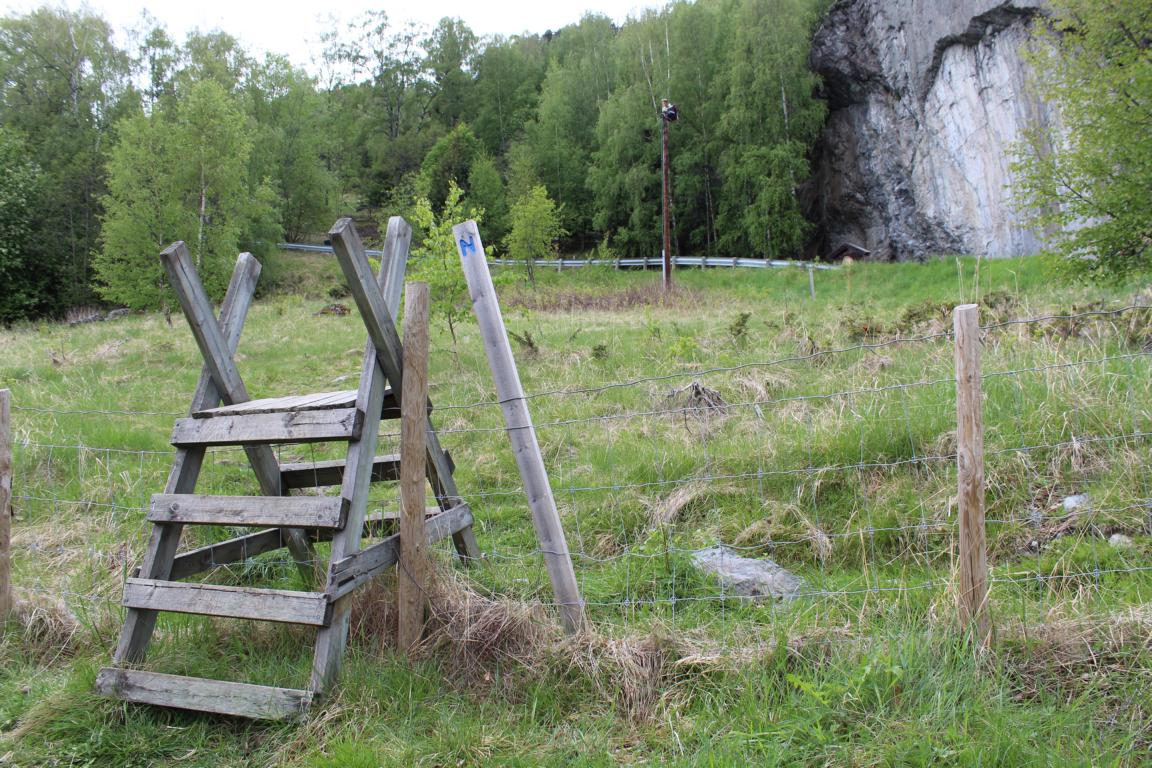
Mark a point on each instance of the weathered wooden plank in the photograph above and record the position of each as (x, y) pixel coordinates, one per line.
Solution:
(165, 539)
(330, 642)
(5, 503)
(413, 564)
(318, 401)
(235, 602)
(973, 572)
(263, 428)
(320, 474)
(518, 422)
(354, 571)
(258, 702)
(282, 511)
(224, 552)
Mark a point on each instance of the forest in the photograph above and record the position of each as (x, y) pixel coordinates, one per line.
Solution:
(108, 153)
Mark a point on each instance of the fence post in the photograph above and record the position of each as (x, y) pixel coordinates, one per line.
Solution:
(413, 563)
(518, 426)
(973, 572)
(5, 503)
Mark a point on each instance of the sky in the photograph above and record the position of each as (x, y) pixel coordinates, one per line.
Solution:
(293, 27)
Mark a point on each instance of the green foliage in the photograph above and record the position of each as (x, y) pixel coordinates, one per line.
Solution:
(180, 174)
(23, 273)
(535, 229)
(448, 162)
(62, 84)
(1088, 181)
(486, 191)
(436, 260)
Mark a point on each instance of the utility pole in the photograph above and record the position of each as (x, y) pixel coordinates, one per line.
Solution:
(668, 114)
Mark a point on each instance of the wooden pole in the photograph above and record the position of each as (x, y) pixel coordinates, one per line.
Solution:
(667, 262)
(518, 425)
(973, 572)
(413, 565)
(5, 503)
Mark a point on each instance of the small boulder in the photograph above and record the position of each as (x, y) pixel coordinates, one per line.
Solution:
(1073, 503)
(748, 576)
(1120, 541)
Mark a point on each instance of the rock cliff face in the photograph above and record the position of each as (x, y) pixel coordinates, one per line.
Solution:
(925, 100)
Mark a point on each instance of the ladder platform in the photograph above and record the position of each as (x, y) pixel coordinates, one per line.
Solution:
(311, 608)
(279, 511)
(260, 702)
(264, 428)
(320, 401)
(320, 474)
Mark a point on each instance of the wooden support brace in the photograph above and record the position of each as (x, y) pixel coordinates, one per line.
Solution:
(518, 422)
(217, 354)
(165, 539)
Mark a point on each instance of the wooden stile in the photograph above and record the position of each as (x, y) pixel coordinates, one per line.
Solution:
(413, 565)
(973, 566)
(295, 521)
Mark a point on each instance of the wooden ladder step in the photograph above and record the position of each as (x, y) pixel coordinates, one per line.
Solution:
(279, 511)
(263, 428)
(311, 608)
(321, 474)
(221, 697)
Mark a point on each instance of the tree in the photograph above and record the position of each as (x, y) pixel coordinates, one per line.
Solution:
(535, 229)
(1088, 181)
(437, 261)
(486, 191)
(61, 86)
(181, 174)
(449, 161)
(26, 279)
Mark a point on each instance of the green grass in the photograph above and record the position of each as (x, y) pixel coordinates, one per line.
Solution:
(853, 492)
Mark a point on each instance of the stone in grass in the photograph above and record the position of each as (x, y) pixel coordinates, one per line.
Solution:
(1075, 502)
(748, 576)
(1120, 541)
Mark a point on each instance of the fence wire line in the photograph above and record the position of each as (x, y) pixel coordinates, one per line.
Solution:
(937, 528)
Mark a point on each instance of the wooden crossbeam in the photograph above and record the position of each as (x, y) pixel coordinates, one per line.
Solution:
(217, 696)
(235, 602)
(266, 428)
(281, 511)
(354, 571)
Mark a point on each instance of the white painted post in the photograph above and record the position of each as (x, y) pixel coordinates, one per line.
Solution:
(518, 425)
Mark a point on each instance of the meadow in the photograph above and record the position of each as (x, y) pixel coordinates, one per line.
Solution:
(738, 410)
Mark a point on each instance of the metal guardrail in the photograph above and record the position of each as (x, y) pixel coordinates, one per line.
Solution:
(655, 261)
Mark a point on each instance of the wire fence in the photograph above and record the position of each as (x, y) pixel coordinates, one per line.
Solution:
(813, 487)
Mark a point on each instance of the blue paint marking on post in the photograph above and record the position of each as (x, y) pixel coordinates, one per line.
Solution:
(467, 245)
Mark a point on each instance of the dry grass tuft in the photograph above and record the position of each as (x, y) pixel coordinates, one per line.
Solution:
(665, 511)
(633, 672)
(48, 630)
(470, 632)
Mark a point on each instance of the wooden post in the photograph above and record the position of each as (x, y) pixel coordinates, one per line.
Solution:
(518, 425)
(5, 504)
(973, 572)
(811, 282)
(413, 565)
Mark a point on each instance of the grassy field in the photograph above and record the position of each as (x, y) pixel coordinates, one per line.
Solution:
(817, 432)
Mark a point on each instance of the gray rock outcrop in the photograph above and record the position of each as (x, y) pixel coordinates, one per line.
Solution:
(925, 101)
(748, 576)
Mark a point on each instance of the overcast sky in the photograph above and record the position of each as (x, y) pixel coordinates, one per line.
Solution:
(293, 27)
